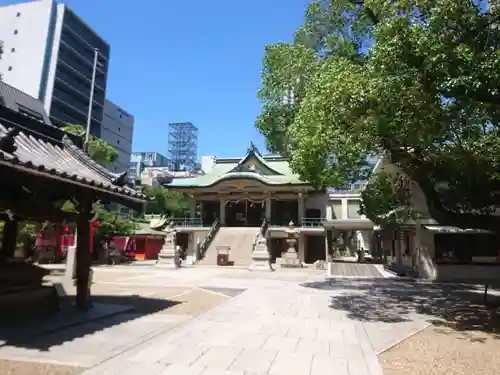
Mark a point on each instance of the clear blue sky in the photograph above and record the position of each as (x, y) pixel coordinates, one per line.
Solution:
(198, 61)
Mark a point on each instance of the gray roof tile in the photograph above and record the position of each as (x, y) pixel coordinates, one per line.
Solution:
(16, 99)
(57, 158)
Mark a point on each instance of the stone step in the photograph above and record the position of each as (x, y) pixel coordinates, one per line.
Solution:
(239, 239)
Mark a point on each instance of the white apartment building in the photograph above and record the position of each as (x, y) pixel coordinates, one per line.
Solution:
(49, 55)
(118, 131)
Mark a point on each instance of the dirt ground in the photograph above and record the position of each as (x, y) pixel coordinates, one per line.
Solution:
(443, 350)
(33, 368)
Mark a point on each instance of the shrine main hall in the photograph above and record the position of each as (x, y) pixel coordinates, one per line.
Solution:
(237, 196)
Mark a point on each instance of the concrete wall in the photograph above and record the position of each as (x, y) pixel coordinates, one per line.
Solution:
(118, 131)
(49, 54)
(319, 202)
(338, 204)
(24, 30)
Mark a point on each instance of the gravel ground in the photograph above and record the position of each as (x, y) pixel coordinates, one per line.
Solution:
(196, 302)
(441, 350)
(33, 368)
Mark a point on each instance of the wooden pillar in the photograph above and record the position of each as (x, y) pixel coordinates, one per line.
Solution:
(9, 240)
(268, 209)
(83, 257)
(328, 243)
(301, 208)
(222, 215)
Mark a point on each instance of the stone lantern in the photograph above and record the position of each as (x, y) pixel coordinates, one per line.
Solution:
(290, 257)
(169, 253)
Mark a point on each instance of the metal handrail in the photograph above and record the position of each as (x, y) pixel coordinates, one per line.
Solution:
(203, 247)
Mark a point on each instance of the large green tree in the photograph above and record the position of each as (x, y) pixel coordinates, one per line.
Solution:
(166, 202)
(102, 153)
(416, 81)
(98, 149)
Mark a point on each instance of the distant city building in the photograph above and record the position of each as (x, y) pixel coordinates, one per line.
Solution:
(141, 160)
(48, 53)
(183, 145)
(118, 131)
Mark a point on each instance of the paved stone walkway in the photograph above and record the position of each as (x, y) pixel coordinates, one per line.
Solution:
(354, 270)
(286, 322)
(281, 329)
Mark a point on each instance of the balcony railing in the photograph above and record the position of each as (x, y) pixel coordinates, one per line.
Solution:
(311, 222)
(187, 221)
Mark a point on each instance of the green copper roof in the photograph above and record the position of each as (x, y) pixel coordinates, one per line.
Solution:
(270, 170)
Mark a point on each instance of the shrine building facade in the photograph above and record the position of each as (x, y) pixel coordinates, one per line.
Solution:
(236, 196)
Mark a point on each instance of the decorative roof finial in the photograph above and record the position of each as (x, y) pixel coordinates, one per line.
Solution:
(8, 140)
(120, 180)
(251, 148)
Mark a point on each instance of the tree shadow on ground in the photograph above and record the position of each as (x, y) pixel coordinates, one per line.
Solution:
(457, 306)
(68, 324)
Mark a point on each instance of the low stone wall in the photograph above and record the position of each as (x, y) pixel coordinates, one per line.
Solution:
(467, 272)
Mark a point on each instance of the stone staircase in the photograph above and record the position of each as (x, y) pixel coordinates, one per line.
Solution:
(239, 239)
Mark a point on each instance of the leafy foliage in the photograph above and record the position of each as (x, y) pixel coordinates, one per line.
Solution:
(387, 200)
(416, 81)
(99, 150)
(166, 202)
(110, 223)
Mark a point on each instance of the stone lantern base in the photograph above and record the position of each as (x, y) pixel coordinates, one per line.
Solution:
(169, 256)
(290, 259)
(261, 257)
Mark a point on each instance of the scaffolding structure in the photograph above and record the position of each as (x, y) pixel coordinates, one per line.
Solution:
(183, 145)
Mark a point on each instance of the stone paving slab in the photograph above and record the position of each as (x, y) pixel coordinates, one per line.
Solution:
(65, 318)
(91, 343)
(354, 270)
(283, 329)
(281, 318)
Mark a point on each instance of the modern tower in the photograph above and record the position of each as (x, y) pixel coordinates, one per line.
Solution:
(183, 145)
(49, 53)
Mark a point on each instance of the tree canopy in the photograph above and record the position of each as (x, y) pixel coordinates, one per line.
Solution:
(103, 153)
(98, 149)
(166, 202)
(415, 81)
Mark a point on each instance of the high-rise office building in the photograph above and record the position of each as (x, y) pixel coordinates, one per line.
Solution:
(118, 131)
(49, 54)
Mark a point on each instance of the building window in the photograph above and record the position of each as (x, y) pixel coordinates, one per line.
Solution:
(336, 209)
(15, 32)
(353, 207)
(119, 129)
(18, 14)
(12, 50)
(118, 141)
(9, 68)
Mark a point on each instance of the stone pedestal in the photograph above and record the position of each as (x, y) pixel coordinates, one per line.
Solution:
(260, 256)
(169, 254)
(70, 272)
(290, 259)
